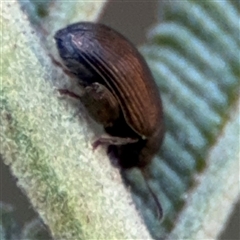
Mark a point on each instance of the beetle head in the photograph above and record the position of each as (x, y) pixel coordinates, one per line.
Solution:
(71, 55)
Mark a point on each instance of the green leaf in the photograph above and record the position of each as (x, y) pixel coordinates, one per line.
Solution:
(76, 192)
(195, 60)
(194, 56)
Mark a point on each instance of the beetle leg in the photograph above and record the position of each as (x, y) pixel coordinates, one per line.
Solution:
(101, 104)
(64, 91)
(104, 109)
(60, 65)
(111, 140)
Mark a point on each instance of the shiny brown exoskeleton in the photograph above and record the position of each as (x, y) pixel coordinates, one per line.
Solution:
(120, 92)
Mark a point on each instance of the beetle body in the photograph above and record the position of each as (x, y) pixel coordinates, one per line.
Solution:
(96, 54)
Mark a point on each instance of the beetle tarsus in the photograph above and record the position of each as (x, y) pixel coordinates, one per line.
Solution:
(110, 140)
(63, 91)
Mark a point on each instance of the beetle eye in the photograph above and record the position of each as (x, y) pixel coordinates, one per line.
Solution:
(64, 44)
